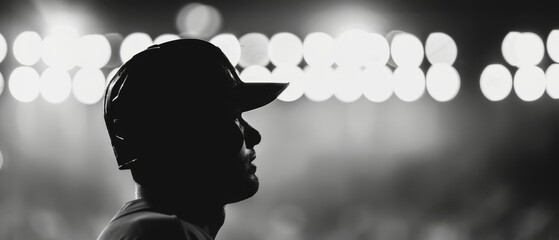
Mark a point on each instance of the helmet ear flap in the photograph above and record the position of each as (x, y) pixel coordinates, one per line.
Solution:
(123, 145)
(120, 139)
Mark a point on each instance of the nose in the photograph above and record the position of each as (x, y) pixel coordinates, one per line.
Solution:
(252, 136)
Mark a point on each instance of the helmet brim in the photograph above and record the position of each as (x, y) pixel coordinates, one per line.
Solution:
(254, 95)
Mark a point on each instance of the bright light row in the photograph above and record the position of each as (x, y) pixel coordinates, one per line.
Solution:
(347, 84)
(55, 85)
(376, 83)
(63, 48)
(524, 51)
(350, 49)
(529, 82)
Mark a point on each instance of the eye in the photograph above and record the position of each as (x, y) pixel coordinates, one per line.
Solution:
(239, 123)
(242, 121)
(238, 118)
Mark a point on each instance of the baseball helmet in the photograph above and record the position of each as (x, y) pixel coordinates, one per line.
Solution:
(178, 89)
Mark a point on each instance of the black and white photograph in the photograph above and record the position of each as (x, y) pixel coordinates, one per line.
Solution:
(279, 120)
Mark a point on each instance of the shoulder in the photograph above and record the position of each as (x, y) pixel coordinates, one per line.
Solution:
(147, 225)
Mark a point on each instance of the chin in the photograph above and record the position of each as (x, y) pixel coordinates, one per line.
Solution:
(244, 190)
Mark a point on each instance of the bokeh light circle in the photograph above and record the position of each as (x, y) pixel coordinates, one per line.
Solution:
(229, 45)
(55, 85)
(254, 49)
(166, 37)
(24, 84)
(93, 51)
(285, 49)
(318, 49)
(348, 84)
(319, 83)
(552, 81)
(529, 49)
(440, 48)
(256, 73)
(89, 85)
(378, 83)
(529, 83)
(27, 48)
(409, 83)
(553, 45)
(406, 50)
(59, 48)
(198, 20)
(3, 48)
(133, 44)
(442, 82)
(292, 75)
(495, 82)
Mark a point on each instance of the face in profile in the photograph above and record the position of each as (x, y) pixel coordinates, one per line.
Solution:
(241, 180)
(226, 157)
(219, 168)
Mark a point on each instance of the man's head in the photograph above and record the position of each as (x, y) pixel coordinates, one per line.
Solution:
(173, 113)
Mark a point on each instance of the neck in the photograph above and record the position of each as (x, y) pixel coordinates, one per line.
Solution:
(198, 211)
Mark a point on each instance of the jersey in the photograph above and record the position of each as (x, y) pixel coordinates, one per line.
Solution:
(137, 220)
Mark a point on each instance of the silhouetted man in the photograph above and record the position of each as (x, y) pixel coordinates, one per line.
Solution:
(173, 114)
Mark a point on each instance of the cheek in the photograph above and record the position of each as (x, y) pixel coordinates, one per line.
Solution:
(242, 147)
(237, 140)
(222, 140)
(242, 156)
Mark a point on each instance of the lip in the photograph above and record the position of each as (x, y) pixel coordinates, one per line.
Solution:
(252, 169)
(252, 157)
